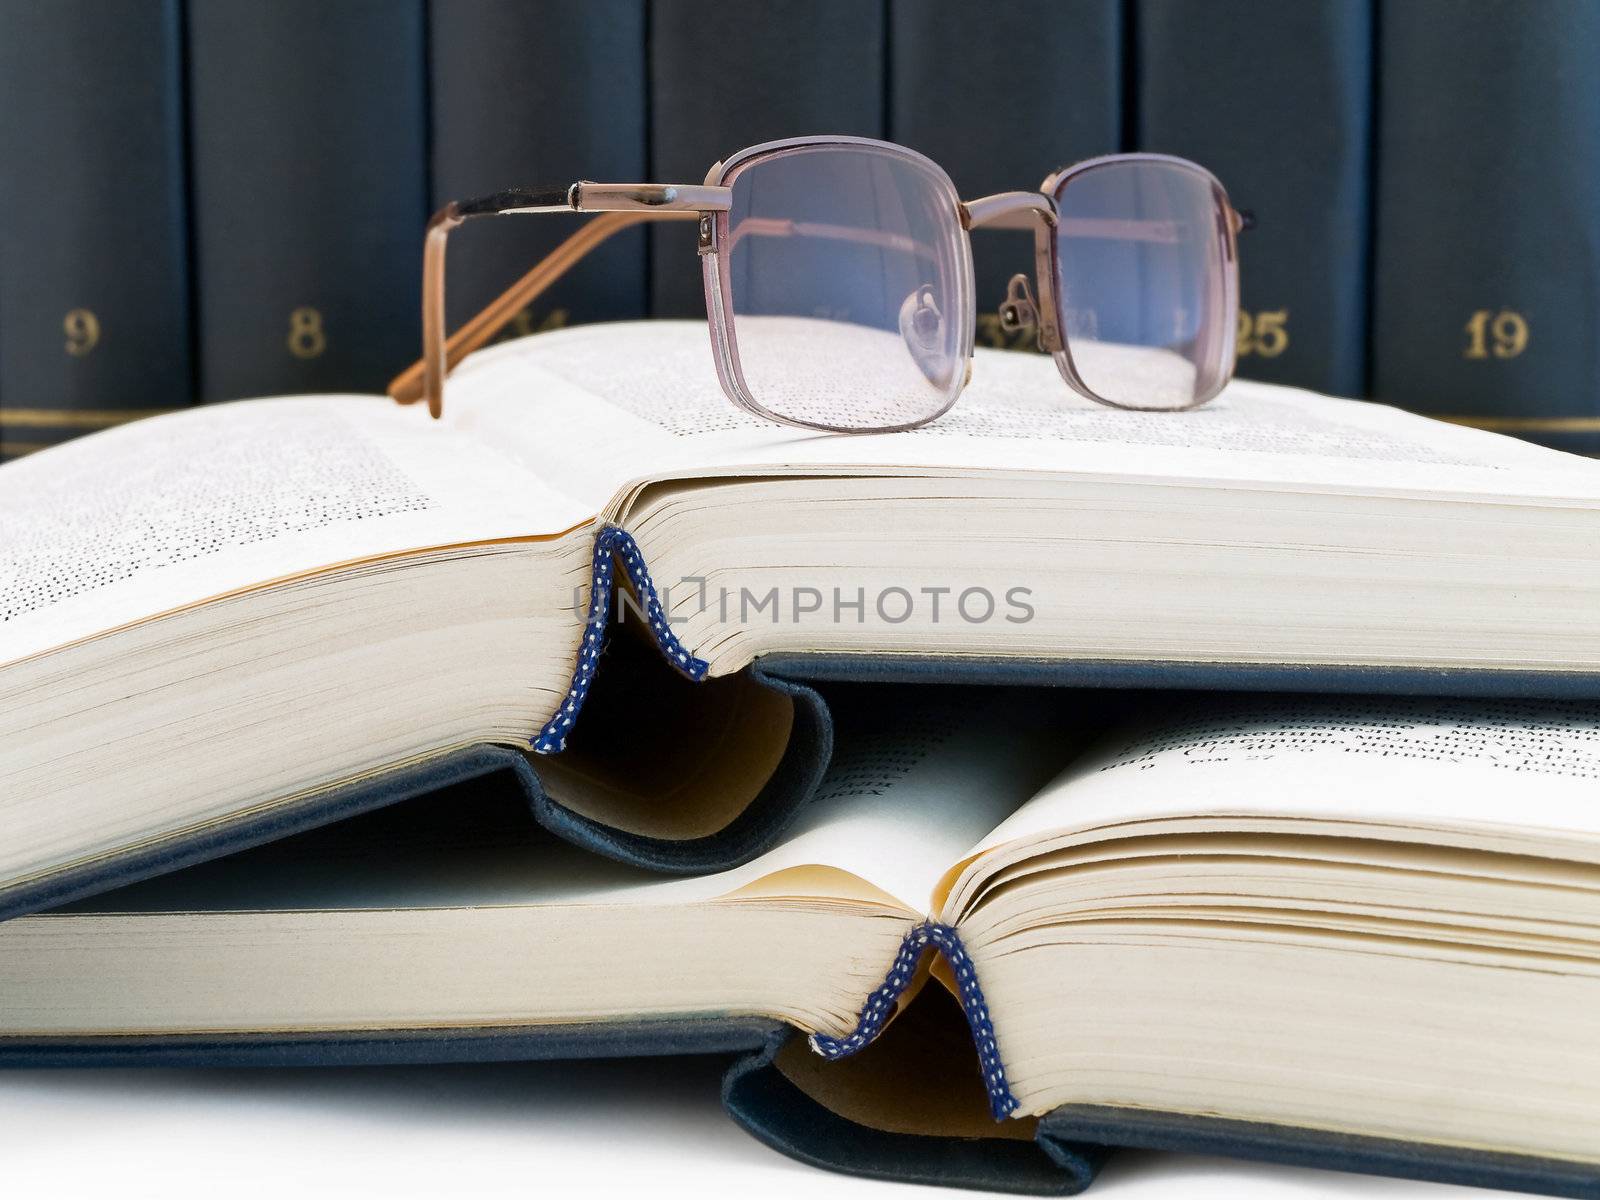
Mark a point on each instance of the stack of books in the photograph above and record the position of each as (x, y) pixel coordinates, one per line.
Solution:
(1042, 781)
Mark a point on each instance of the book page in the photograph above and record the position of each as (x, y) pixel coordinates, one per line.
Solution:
(895, 810)
(895, 804)
(640, 401)
(164, 513)
(1490, 765)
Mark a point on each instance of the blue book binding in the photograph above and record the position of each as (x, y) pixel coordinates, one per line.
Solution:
(1276, 99)
(520, 93)
(719, 83)
(307, 126)
(94, 288)
(1001, 97)
(1485, 298)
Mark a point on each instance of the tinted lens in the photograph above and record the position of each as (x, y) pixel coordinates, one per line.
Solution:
(847, 278)
(1145, 281)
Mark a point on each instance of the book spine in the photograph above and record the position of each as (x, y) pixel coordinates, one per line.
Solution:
(1487, 284)
(94, 294)
(309, 188)
(541, 94)
(1276, 100)
(1000, 97)
(720, 82)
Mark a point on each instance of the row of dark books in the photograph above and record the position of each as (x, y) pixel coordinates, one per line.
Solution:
(220, 198)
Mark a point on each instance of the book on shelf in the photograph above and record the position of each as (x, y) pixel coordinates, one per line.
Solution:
(1000, 99)
(1485, 302)
(309, 180)
(1277, 100)
(221, 623)
(1355, 932)
(94, 294)
(518, 91)
(718, 84)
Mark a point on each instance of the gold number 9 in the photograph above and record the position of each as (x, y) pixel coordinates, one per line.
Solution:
(82, 328)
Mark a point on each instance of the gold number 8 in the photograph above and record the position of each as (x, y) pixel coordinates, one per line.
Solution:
(306, 339)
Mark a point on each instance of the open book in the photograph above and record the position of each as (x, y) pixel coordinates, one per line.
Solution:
(1371, 917)
(208, 617)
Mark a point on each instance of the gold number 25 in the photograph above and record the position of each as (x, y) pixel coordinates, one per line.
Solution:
(82, 328)
(1265, 333)
(1503, 334)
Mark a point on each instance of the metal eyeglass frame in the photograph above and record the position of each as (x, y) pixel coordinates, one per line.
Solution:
(621, 205)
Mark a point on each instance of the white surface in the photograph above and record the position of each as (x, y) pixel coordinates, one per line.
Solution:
(523, 1130)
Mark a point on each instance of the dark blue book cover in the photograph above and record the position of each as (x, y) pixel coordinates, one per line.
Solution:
(535, 94)
(1276, 100)
(94, 295)
(1000, 97)
(309, 185)
(1487, 286)
(721, 81)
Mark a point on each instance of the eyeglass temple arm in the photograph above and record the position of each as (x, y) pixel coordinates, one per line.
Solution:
(620, 205)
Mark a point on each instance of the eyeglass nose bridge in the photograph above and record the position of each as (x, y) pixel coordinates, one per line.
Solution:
(1024, 210)
(1009, 210)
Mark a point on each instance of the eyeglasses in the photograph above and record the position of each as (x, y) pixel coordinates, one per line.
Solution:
(838, 279)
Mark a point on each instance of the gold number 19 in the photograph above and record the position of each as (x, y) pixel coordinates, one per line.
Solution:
(1503, 334)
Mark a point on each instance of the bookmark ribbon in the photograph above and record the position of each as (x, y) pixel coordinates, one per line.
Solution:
(880, 1006)
(613, 543)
